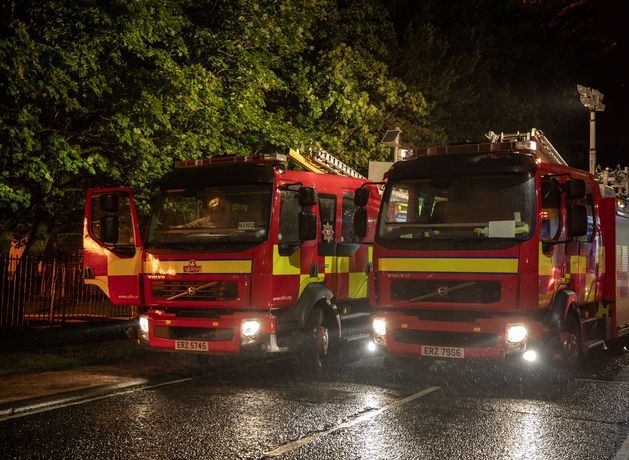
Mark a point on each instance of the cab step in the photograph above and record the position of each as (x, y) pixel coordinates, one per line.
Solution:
(589, 345)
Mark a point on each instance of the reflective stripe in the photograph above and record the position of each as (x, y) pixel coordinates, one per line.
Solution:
(124, 266)
(305, 280)
(577, 264)
(545, 263)
(449, 265)
(286, 265)
(358, 281)
(172, 267)
(358, 285)
(337, 264)
(101, 282)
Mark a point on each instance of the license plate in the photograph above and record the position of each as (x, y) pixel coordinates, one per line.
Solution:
(190, 345)
(443, 352)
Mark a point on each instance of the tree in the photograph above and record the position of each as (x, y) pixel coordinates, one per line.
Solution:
(111, 93)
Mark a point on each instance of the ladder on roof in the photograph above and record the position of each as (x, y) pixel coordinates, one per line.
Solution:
(322, 162)
(546, 151)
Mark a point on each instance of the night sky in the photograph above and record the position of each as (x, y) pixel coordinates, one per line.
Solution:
(596, 32)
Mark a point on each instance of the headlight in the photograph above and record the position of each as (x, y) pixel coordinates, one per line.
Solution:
(516, 334)
(530, 356)
(380, 326)
(250, 327)
(144, 324)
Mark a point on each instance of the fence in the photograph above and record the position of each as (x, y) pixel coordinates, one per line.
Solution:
(42, 292)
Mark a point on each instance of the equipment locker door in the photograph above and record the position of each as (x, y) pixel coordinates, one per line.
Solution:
(112, 250)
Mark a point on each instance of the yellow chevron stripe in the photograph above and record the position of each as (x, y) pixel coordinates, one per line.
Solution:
(448, 265)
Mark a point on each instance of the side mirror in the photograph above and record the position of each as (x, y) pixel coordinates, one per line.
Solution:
(360, 222)
(307, 196)
(307, 226)
(109, 229)
(109, 202)
(574, 189)
(577, 220)
(361, 197)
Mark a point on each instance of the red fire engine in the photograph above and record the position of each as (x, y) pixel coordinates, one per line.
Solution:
(497, 251)
(240, 256)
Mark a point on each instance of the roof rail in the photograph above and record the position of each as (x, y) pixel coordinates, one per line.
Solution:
(545, 149)
(263, 158)
(322, 162)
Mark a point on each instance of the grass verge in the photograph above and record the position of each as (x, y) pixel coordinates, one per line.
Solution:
(69, 357)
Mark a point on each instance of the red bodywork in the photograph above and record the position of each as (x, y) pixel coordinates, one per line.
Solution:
(528, 280)
(257, 282)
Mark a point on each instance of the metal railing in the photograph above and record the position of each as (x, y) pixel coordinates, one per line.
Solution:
(50, 291)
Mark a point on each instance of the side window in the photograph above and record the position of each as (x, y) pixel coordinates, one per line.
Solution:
(587, 202)
(327, 213)
(347, 219)
(125, 221)
(289, 212)
(551, 212)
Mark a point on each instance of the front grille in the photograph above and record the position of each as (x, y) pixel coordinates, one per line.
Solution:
(193, 333)
(195, 290)
(452, 291)
(445, 339)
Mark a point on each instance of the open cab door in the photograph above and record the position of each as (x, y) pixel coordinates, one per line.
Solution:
(112, 250)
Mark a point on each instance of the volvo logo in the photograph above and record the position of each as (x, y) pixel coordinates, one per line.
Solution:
(442, 291)
(191, 290)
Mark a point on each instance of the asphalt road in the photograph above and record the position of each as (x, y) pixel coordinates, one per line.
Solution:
(358, 411)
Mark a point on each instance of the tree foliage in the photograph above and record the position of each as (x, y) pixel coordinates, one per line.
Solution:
(111, 93)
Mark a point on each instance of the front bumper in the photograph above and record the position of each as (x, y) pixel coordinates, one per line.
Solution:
(482, 339)
(219, 335)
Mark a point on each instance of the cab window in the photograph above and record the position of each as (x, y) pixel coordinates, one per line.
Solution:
(550, 214)
(289, 212)
(587, 202)
(347, 222)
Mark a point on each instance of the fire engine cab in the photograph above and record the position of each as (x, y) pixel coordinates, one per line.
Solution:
(497, 251)
(240, 256)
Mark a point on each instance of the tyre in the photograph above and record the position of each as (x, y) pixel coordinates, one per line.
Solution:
(570, 348)
(316, 347)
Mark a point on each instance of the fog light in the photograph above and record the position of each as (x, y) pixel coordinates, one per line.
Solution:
(371, 346)
(144, 324)
(250, 327)
(380, 326)
(530, 356)
(516, 334)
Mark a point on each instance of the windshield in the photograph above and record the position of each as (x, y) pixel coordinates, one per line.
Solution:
(199, 217)
(458, 208)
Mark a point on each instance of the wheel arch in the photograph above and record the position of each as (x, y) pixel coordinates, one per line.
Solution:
(317, 295)
(563, 305)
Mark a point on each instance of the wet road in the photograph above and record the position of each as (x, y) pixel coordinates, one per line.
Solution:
(358, 411)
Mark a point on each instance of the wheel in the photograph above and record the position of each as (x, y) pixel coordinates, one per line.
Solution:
(571, 353)
(316, 347)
